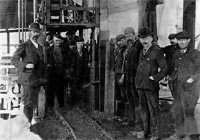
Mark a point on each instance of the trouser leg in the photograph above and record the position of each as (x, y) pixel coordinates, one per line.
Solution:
(60, 94)
(189, 102)
(131, 103)
(153, 106)
(50, 94)
(144, 111)
(30, 100)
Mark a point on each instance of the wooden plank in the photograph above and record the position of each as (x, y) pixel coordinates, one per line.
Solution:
(97, 12)
(109, 98)
(65, 7)
(88, 25)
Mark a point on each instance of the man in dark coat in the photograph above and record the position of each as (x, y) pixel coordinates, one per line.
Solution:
(120, 83)
(131, 63)
(28, 59)
(169, 52)
(186, 83)
(80, 69)
(147, 82)
(55, 73)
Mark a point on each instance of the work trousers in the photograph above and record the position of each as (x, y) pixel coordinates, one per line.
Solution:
(55, 87)
(183, 111)
(149, 111)
(30, 95)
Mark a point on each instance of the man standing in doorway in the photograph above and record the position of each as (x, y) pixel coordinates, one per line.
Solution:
(55, 72)
(134, 47)
(28, 59)
(186, 79)
(147, 82)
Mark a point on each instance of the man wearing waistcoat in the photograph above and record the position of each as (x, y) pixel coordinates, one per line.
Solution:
(147, 82)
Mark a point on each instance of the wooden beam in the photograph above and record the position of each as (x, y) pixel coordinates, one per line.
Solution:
(92, 72)
(65, 7)
(48, 13)
(109, 98)
(8, 41)
(97, 12)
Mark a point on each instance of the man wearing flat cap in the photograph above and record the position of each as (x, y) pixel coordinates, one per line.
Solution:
(132, 57)
(80, 72)
(147, 83)
(120, 73)
(55, 74)
(28, 59)
(169, 52)
(186, 83)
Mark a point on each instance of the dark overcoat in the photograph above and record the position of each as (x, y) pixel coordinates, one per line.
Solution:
(149, 65)
(169, 52)
(133, 58)
(186, 95)
(28, 53)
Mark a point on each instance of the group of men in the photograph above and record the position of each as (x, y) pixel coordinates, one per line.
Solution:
(141, 64)
(61, 63)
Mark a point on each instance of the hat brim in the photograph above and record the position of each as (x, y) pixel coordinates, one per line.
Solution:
(37, 30)
(143, 36)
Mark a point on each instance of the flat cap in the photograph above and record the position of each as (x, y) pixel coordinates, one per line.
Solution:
(144, 32)
(129, 30)
(78, 39)
(172, 36)
(120, 37)
(34, 27)
(58, 36)
(182, 35)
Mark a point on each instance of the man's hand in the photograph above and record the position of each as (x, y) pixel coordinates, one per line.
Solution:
(151, 77)
(30, 66)
(190, 80)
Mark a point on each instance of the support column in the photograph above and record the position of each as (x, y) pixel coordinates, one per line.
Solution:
(109, 98)
(92, 72)
(34, 10)
(197, 25)
(197, 46)
(8, 40)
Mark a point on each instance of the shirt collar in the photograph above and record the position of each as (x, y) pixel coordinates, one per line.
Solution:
(34, 43)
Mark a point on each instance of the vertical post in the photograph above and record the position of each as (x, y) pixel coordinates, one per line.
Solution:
(34, 10)
(97, 13)
(19, 18)
(85, 5)
(109, 98)
(25, 17)
(48, 13)
(8, 40)
(197, 25)
(92, 71)
(142, 18)
(22, 20)
(81, 32)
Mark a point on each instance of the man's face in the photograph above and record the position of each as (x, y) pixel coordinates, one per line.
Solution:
(34, 35)
(57, 41)
(79, 45)
(130, 37)
(183, 43)
(146, 42)
(121, 43)
(173, 41)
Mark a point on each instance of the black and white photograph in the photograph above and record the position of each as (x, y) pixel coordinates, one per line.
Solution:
(99, 69)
